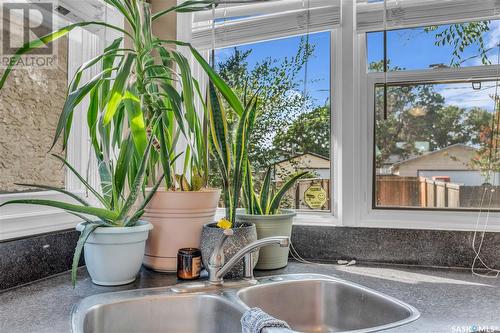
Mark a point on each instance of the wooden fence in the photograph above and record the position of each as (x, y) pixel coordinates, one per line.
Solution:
(395, 191)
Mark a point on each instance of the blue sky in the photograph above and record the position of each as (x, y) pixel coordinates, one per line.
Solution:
(318, 85)
(408, 48)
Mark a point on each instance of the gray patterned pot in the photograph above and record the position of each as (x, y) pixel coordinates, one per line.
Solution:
(243, 235)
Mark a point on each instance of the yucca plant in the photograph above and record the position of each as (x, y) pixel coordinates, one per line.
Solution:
(140, 102)
(150, 80)
(266, 201)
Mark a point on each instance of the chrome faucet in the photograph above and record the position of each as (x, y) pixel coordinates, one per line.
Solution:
(217, 267)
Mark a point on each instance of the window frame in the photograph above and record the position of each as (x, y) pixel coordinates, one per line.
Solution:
(370, 216)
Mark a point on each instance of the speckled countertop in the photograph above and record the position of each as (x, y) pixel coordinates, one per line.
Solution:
(449, 300)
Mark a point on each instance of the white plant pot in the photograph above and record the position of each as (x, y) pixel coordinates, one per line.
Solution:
(113, 256)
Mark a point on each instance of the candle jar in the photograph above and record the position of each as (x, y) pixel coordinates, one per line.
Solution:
(188, 263)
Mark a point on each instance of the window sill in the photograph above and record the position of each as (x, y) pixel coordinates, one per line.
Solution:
(25, 220)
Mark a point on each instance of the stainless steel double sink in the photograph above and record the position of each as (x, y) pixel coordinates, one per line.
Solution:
(307, 302)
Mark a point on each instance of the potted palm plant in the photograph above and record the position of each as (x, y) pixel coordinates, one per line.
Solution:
(263, 209)
(139, 94)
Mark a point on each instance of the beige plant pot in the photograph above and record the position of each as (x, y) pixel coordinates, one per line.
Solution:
(178, 218)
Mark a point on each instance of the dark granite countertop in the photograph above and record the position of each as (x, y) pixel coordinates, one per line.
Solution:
(449, 300)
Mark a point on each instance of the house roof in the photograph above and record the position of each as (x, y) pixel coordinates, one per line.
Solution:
(454, 146)
(300, 155)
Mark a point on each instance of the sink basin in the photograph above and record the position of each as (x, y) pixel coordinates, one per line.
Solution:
(325, 304)
(160, 313)
(308, 302)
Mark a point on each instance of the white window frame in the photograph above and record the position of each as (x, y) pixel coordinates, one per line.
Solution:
(352, 115)
(404, 218)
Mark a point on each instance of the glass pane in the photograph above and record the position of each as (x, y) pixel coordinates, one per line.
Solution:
(30, 103)
(452, 45)
(292, 132)
(436, 148)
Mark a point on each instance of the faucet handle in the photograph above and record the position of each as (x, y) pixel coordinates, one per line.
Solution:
(228, 232)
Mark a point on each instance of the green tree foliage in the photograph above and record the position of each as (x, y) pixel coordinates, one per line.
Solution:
(309, 133)
(462, 36)
(278, 83)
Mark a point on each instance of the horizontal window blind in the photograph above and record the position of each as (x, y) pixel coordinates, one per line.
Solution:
(243, 24)
(414, 13)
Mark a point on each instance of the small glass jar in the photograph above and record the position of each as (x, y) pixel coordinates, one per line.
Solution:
(188, 263)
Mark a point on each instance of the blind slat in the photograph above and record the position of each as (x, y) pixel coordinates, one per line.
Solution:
(277, 22)
(414, 13)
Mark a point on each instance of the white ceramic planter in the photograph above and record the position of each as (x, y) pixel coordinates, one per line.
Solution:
(113, 256)
(271, 257)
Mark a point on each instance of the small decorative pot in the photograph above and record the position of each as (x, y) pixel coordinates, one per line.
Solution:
(113, 255)
(271, 257)
(242, 236)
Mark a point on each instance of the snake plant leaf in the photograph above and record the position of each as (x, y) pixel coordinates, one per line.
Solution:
(240, 156)
(49, 38)
(83, 181)
(275, 202)
(98, 212)
(87, 231)
(186, 7)
(57, 189)
(219, 129)
(117, 91)
(105, 223)
(248, 190)
(265, 191)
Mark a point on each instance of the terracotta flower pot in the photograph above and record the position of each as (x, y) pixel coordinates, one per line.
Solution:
(178, 218)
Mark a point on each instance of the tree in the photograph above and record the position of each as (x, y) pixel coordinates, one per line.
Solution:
(309, 133)
(278, 83)
(461, 36)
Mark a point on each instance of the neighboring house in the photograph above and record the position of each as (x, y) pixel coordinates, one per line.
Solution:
(314, 163)
(452, 161)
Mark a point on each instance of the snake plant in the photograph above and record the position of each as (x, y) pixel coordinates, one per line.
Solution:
(230, 150)
(266, 201)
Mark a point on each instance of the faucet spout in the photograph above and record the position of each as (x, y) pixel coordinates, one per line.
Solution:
(216, 277)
